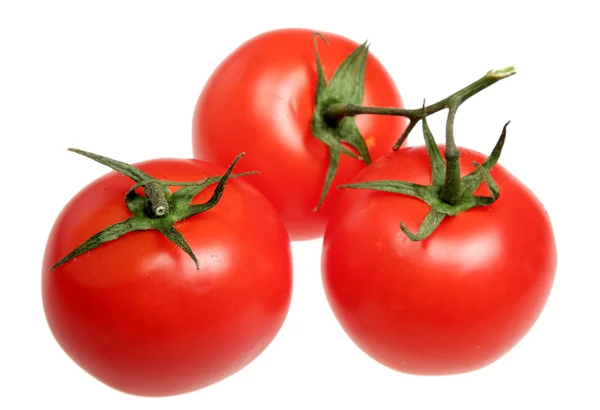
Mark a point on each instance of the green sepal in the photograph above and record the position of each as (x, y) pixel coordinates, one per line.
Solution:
(438, 166)
(177, 238)
(135, 203)
(334, 160)
(418, 191)
(347, 86)
(347, 83)
(471, 181)
(429, 224)
(177, 206)
(194, 209)
(126, 169)
(112, 233)
(333, 144)
(351, 135)
(491, 184)
(321, 79)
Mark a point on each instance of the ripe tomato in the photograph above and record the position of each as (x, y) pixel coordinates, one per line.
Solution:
(453, 302)
(261, 99)
(138, 315)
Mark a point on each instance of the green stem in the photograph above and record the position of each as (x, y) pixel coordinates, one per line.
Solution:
(157, 203)
(451, 189)
(337, 111)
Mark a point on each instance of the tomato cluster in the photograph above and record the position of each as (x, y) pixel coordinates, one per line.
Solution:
(435, 258)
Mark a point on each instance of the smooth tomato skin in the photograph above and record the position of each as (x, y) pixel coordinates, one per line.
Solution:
(261, 99)
(137, 315)
(452, 303)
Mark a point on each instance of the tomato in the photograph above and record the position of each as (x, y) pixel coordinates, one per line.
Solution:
(136, 312)
(261, 99)
(453, 302)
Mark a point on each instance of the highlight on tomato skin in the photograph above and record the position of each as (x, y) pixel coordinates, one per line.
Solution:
(137, 313)
(454, 302)
(261, 99)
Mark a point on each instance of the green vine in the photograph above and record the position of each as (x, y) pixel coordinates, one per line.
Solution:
(339, 100)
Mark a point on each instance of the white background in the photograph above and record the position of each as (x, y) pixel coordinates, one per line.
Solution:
(116, 77)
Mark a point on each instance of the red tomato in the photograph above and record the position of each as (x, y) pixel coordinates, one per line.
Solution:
(452, 303)
(261, 100)
(137, 314)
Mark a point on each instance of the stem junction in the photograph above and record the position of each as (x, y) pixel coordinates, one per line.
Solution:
(339, 111)
(338, 101)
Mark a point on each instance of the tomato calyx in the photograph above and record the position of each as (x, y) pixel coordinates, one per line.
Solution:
(347, 86)
(449, 194)
(158, 209)
(461, 190)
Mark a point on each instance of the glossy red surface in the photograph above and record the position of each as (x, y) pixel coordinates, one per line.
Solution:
(452, 303)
